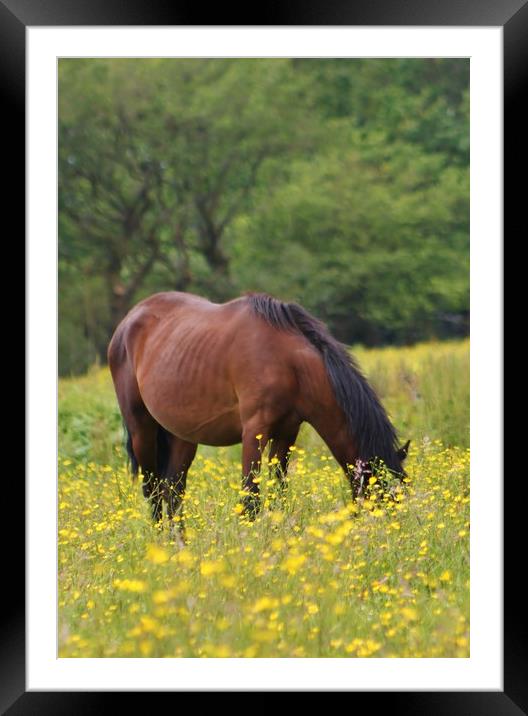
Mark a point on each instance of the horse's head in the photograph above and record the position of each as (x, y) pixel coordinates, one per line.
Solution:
(401, 454)
(365, 469)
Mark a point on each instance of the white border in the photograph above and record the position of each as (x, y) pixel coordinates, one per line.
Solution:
(483, 671)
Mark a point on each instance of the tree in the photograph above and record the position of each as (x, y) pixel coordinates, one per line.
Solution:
(156, 159)
(377, 249)
(342, 184)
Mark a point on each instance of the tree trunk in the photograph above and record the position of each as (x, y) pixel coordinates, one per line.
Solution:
(118, 304)
(217, 260)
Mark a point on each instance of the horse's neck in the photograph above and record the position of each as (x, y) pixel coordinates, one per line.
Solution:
(320, 408)
(330, 424)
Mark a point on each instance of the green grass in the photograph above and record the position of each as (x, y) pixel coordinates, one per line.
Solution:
(317, 577)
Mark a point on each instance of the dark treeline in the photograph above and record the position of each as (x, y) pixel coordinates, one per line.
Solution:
(340, 184)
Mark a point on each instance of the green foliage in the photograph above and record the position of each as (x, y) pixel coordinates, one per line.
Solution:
(342, 184)
(90, 424)
(425, 389)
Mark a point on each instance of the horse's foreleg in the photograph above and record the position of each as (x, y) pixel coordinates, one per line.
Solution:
(279, 458)
(254, 440)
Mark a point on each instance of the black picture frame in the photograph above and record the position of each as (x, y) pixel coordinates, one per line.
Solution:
(512, 15)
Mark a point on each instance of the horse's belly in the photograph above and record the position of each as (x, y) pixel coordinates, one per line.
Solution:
(212, 426)
(222, 429)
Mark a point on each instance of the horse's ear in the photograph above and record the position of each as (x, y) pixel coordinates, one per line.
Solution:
(402, 452)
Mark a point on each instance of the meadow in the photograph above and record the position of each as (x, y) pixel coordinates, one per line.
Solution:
(315, 575)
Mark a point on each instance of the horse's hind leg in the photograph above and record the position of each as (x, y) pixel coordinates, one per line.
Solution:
(144, 436)
(179, 458)
(141, 427)
(142, 444)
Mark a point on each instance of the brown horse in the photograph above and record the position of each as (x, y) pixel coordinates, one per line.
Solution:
(188, 371)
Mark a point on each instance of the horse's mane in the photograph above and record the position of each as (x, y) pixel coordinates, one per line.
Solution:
(366, 418)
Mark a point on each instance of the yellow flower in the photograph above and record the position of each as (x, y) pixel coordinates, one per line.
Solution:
(210, 567)
(228, 581)
(130, 585)
(157, 555)
(162, 596)
(292, 563)
(264, 603)
(409, 614)
(145, 648)
(446, 576)
(148, 624)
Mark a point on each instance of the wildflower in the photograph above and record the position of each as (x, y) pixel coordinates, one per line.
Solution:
(210, 567)
(293, 562)
(264, 603)
(409, 614)
(130, 585)
(228, 581)
(157, 555)
(146, 648)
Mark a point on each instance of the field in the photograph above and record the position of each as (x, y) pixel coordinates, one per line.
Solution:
(313, 576)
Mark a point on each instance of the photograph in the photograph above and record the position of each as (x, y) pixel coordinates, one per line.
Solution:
(264, 354)
(263, 357)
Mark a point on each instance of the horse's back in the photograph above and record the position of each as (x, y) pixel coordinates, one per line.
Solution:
(173, 351)
(141, 322)
(201, 368)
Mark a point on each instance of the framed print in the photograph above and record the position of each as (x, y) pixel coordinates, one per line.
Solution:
(64, 64)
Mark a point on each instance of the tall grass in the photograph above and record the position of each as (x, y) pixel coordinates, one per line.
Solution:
(313, 576)
(425, 389)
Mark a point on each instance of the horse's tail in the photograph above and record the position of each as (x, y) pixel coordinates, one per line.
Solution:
(162, 452)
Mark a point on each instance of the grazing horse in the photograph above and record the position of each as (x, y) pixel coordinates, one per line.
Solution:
(188, 371)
